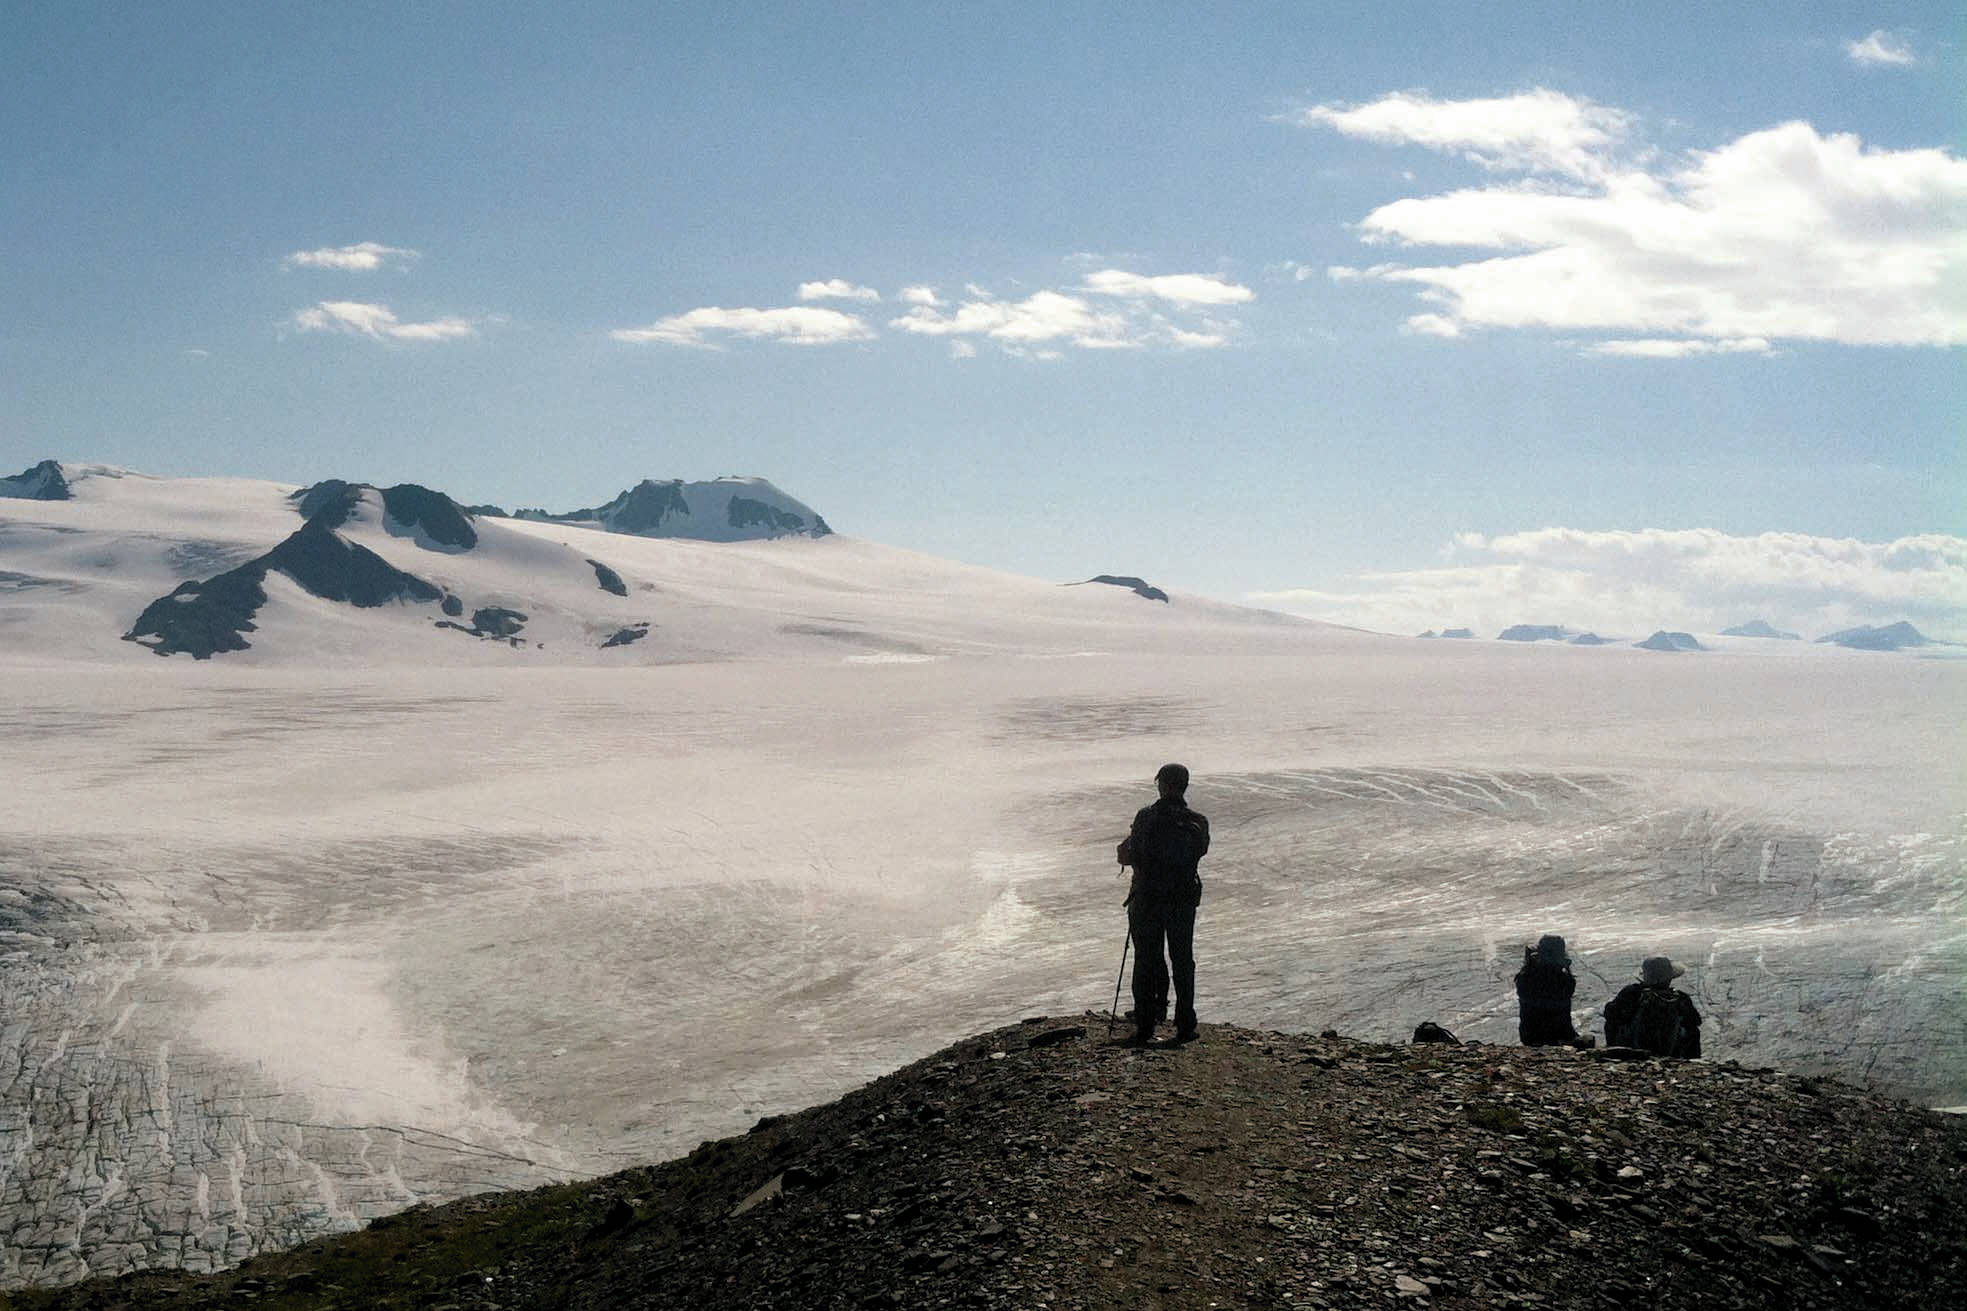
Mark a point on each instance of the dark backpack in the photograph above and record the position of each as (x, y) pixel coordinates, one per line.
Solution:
(1176, 842)
(1657, 1024)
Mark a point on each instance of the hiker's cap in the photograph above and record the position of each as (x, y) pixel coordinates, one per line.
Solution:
(1655, 970)
(1175, 774)
(1550, 948)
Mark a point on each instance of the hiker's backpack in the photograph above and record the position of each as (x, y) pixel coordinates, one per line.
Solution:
(1176, 842)
(1657, 1024)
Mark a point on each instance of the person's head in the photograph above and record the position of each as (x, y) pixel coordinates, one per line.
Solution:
(1658, 971)
(1550, 950)
(1171, 780)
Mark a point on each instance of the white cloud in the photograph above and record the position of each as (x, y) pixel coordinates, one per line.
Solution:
(1431, 325)
(962, 350)
(797, 325)
(1041, 317)
(363, 257)
(1881, 47)
(1176, 288)
(836, 289)
(1782, 234)
(1626, 584)
(362, 319)
(1038, 325)
(1677, 348)
(920, 296)
(1533, 131)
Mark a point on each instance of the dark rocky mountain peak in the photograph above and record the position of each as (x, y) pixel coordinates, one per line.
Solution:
(202, 619)
(1891, 637)
(410, 509)
(1139, 587)
(42, 482)
(1533, 633)
(1662, 640)
(1759, 628)
(722, 510)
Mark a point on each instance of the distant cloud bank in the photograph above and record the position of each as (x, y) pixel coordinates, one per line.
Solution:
(1785, 234)
(1627, 584)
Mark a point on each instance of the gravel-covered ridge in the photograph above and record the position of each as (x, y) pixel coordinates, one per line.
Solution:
(1038, 1165)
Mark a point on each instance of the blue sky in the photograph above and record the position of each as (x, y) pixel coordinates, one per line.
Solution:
(1402, 315)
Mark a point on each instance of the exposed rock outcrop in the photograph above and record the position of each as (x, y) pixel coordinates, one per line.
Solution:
(1891, 637)
(202, 619)
(722, 510)
(1038, 1164)
(1662, 640)
(1759, 628)
(1533, 633)
(609, 580)
(408, 508)
(1139, 587)
(42, 482)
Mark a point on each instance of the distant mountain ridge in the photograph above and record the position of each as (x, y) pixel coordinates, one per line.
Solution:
(1890, 637)
(1760, 628)
(346, 572)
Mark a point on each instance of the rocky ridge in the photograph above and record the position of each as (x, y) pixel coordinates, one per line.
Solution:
(1040, 1164)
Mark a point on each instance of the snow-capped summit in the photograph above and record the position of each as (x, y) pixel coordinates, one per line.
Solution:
(721, 510)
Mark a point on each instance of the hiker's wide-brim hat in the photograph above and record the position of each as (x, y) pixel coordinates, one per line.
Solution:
(1659, 969)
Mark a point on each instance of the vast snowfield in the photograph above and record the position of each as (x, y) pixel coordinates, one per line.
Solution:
(374, 913)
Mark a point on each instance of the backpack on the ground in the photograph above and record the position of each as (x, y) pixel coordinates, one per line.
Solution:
(1657, 1024)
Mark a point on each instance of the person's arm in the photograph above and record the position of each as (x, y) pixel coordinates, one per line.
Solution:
(1202, 825)
(1131, 843)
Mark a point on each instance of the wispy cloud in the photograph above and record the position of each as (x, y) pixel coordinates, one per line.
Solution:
(1112, 310)
(1881, 47)
(1782, 234)
(362, 319)
(1629, 583)
(797, 325)
(1534, 131)
(1677, 348)
(1176, 288)
(1045, 316)
(919, 296)
(836, 289)
(363, 257)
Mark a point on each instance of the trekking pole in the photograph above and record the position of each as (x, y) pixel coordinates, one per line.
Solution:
(1113, 1012)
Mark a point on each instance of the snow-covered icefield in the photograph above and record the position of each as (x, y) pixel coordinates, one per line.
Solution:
(287, 944)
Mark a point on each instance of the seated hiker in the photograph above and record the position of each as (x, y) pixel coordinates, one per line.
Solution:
(1653, 1015)
(1544, 987)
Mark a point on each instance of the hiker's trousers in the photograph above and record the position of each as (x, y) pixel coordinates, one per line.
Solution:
(1164, 936)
